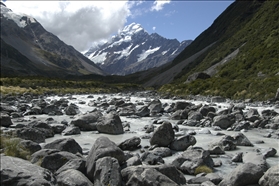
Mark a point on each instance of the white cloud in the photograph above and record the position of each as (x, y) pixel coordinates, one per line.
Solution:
(154, 28)
(77, 23)
(158, 4)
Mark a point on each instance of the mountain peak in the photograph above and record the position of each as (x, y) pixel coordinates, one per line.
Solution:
(132, 29)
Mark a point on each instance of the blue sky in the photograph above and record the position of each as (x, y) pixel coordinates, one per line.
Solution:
(179, 19)
(86, 23)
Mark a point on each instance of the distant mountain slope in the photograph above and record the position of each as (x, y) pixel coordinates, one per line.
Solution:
(133, 50)
(28, 49)
(241, 55)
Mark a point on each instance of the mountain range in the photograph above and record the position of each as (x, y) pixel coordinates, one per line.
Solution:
(133, 50)
(28, 49)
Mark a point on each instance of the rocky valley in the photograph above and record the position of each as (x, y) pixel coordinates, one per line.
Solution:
(139, 139)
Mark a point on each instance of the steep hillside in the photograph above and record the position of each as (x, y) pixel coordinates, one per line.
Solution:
(239, 51)
(133, 50)
(28, 49)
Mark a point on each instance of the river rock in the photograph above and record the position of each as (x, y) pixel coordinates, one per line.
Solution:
(218, 99)
(5, 120)
(71, 130)
(30, 146)
(181, 105)
(179, 114)
(270, 152)
(141, 176)
(71, 110)
(107, 172)
(57, 128)
(223, 121)
(214, 178)
(77, 164)
(130, 144)
(256, 158)
(155, 106)
(183, 142)
(72, 177)
(102, 147)
(242, 140)
(192, 158)
(110, 124)
(163, 135)
(43, 127)
(16, 171)
(270, 177)
(50, 109)
(87, 122)
(149, 158)
(65, 144)
(242, 175)
(32, 134)
(143, 111)
(161, 151)
(173, 173)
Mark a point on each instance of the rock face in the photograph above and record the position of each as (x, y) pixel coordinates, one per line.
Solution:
(270, 177)
(242, 175)
(163, 135)
(183, 142)
(15, 171)
(102, 147)
(110, 124)
(192, 158)
(72, 177)
(88, 121)
(107, 172)
(65, 144)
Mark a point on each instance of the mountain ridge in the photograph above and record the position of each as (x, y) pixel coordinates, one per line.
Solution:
(133, 50)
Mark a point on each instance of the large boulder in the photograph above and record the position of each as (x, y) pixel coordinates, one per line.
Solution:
(183, 142)
(163, 135)
(223, 121)
(87, 122)
(181, 105)
(243, 175)
(226, 143)
(71, 130)
(16, 171)
(102, 147)
(130, 144)
(242, 140)
(5, 120)
(191, 159)
(32, 134)
(72, 177)
(110, 124)
(145, 176)
(256, 158)
(149, 158)
(143, 111)
(31, 146)
(77, 164)
(107, 172)
(72, 109)
(155, 106)
(270, 177)
(64, 144)
(43, 127)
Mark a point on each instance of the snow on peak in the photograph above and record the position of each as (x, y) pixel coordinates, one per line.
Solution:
(19, 18)
(132, 29)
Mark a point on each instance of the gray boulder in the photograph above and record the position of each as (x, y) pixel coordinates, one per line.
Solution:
(130, 144)
(161, 151)
(243, 175)
(77, 164)
(218, 99)
(57, 128)
(72, 177)
(183, 142)
(64, 144)
(226, 143)
(102, 147)
(223, 121)
(192, 158)
(149, 158)
(179, 114)
(5, 120)
(71, 110)
(50, 109)
(71, 131)
(242, 140)
(16, 171)
(163, 135)
(110, 124)
(143, 111)
(107, 172)
(256, 158)
(155, 106)
(270, 177)
(32, 134)
(43, 127)
(145, 177)
(31, 146)
(87, 122)
(181, 105)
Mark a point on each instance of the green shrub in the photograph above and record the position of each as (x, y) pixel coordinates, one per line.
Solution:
(203, 169)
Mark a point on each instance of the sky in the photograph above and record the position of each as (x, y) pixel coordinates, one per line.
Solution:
(83, 24)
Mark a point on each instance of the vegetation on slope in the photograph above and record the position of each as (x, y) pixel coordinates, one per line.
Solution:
(254, 72)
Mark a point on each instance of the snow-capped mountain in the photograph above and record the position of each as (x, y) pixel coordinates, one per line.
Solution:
(28, 49)
(133, 50)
